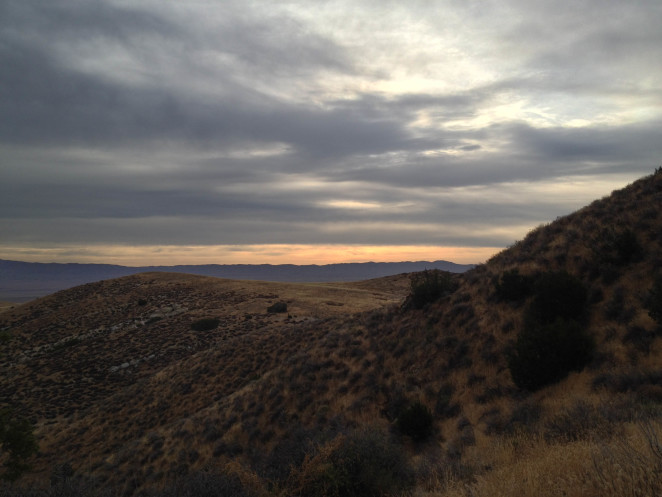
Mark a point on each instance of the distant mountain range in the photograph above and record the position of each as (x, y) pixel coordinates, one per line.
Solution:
(24, 281)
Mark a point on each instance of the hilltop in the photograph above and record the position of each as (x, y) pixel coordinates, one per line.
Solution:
(354, 390)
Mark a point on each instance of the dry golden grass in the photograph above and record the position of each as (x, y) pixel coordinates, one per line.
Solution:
(7, 306)
(104, 363)
(629, 464)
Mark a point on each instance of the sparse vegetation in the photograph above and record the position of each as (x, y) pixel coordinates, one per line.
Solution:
(17, 444)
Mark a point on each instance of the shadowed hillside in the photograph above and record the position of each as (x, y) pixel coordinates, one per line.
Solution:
(355, 390)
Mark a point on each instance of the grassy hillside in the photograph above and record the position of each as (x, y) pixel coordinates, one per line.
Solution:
(350, 392)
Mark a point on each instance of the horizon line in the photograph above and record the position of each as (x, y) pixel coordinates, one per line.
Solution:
(272, 254)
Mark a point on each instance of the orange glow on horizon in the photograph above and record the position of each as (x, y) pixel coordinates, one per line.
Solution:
(171, 255)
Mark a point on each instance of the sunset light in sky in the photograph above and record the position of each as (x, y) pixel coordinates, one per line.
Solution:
(146, 132)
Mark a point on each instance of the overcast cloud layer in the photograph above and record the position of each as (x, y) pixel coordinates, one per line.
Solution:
(431, 123)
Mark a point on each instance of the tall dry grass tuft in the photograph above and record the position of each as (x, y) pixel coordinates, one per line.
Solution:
(627, 465)
(632, 465)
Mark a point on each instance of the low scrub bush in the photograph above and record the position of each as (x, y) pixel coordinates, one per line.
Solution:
(619, 248)
(289, 453)
(416, 421)
(17, 444)
(653, 301)
(546, 353)
(640, 338)
(429, 286)
(553, 341)
(512, 286)
(205, 324)
(558, 295)
(626, 247)
(278, 307)
(617, 309)
(365, 463)
(396, 402)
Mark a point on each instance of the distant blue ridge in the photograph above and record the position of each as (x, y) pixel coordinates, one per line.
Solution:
(23, 281)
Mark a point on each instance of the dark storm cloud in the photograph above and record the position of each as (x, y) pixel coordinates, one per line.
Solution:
(47, 104)
(526, 154)
(46, 100)
(609, 145)
(251, 122)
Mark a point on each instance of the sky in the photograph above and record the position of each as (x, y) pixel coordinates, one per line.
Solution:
(146, 132)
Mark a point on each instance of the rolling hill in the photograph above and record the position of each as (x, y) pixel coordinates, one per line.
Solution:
(358, 389)
(24, 281)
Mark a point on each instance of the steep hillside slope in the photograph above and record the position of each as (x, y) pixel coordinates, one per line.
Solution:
(125, 392)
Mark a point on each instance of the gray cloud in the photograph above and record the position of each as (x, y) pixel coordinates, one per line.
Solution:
(254, 123)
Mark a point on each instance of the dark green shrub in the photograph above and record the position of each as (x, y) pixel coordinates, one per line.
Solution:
(640, 338)
(278, 307)
(617, 310)
(546, 353)
(365, 463)
(205, 324)
(558, 295)
(512, 286)
(416, 421)
(206, 484)
(626, 247)
(429, 286)
(616, 248)
(654, 300)
(289, 453)
(17, 444)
